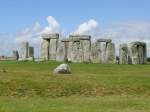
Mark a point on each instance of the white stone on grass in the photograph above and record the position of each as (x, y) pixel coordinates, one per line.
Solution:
(62, 69)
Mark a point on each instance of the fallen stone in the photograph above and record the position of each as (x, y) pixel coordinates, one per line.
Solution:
(62, 69)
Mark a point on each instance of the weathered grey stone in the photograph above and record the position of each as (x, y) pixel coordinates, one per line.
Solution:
(45, 49)
(104, 51)
(53, 45)
(70, 49)
(104, 40)
(53, 48)
(62, 51)
(49, 46)
(45, 36)
(123, 54)
(24, 50)
(96, 52)
(79, 48)
(76, 53)
(141, 55)
(62, 69)
(137, 52)
(133, 53)
(15, 54)
(86, 48)
(110, 53)
(74, 49)
(31, 52)
(103, 58)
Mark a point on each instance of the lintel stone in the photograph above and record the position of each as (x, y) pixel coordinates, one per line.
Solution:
(104, 40)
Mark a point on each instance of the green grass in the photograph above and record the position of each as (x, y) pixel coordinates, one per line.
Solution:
(31, 87)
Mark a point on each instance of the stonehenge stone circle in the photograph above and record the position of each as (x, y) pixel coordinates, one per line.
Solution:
(133, 53)
(79, 48)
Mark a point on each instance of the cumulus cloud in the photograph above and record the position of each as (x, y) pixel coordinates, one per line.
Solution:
(90, 27)
(53, 25)
(33, 33)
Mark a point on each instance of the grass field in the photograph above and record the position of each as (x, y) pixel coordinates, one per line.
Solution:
(31, 87)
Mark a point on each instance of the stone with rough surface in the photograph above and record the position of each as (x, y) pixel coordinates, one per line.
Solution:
(62, 69)
(24, 50)
(110, 53)
(61, 54)
(123, 54)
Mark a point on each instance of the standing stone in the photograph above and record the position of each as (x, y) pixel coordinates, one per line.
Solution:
(49, 46)
(141, 55)
(137, 52)
(110, 53)
(24, 50)
(15, 54)
(86, 47)
(53, 45)
(62, 50)
(106, 51)
(133, 53)
(80, 48)
(31, 52)
(76, 53)
(70, 49)
(123, 54)
(102, 57)
(45, 47)
(96, 52)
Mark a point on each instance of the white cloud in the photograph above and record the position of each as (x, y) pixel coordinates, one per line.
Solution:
(33, 34)
(53, 26)
(90, 27)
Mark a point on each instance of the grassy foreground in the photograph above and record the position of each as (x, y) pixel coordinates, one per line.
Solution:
(31, 87)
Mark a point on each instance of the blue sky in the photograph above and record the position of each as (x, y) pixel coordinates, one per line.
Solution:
(18, 14)
(121, 19)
